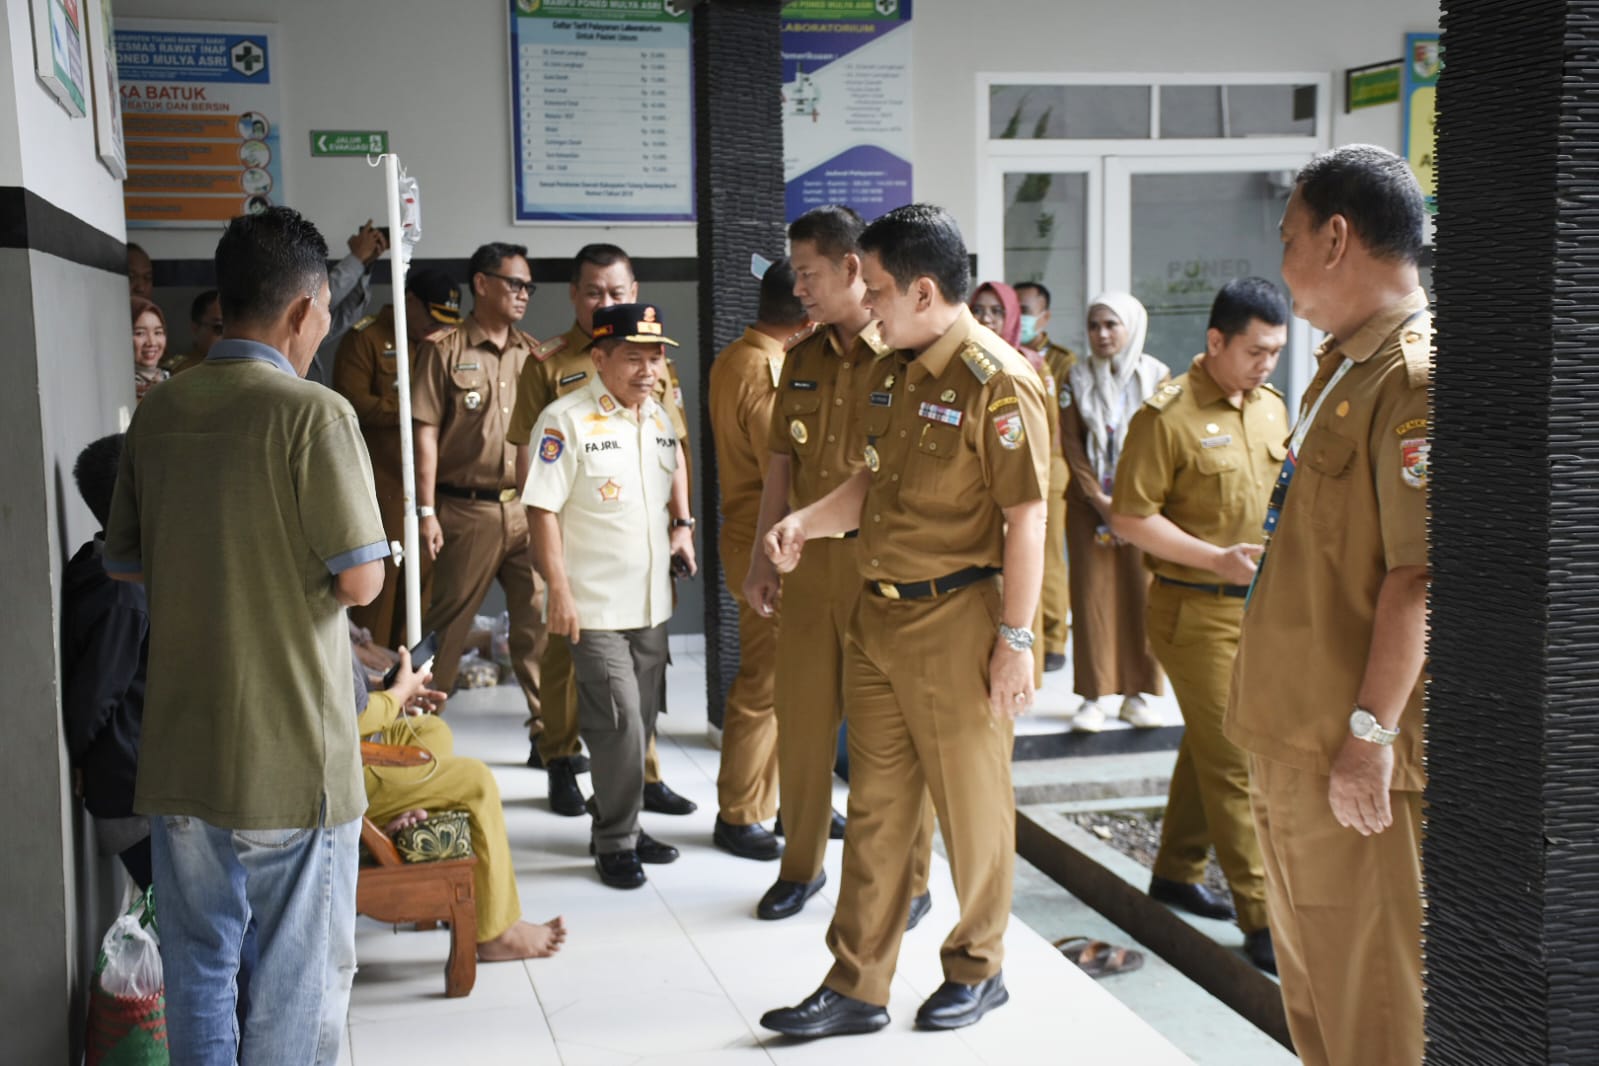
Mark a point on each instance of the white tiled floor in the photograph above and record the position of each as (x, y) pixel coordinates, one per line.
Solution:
(679, 972)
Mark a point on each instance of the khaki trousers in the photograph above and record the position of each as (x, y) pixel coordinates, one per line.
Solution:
(452, 783)
(559, 737)
(746, 782)
(1056, 593)
(819, 600)
(1195, 637)
(916, 691)
(1345, 919)
(485, 541)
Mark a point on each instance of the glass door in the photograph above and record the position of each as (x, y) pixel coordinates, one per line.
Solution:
(1042, 221)
(1182, 227)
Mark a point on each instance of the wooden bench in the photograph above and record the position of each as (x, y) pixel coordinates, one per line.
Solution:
(426, 893)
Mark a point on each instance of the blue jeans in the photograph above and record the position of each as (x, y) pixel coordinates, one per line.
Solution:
(298, 885)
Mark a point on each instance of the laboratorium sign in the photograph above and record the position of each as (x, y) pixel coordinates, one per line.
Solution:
(202, 108)
(602, 111)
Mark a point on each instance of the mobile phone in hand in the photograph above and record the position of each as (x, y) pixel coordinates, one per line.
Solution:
(680, 567)
(421, 659)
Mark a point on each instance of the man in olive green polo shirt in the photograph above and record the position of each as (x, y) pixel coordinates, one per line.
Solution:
(245, 505)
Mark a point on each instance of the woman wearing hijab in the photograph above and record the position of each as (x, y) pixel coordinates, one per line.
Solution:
(996, 306)
(1109, 584)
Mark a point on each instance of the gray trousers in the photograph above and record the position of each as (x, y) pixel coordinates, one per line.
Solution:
(621, 680)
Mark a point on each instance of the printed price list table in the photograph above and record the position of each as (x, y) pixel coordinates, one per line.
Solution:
(605, 123)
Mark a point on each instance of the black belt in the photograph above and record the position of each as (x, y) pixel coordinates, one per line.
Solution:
(486, 495)
(1237, 592)
(921, 590)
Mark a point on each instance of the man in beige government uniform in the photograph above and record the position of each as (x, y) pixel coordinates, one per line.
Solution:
(364, 372)
(472, 521)
(815, 446)
(602, 276)
(743, 388)
(1035, 298)
(1195, 475)
(1327, 687)
(951, 514)
(608, 495)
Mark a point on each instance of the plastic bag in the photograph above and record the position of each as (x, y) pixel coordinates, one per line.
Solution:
(501, 641)
(476, 672)
(127, 1004)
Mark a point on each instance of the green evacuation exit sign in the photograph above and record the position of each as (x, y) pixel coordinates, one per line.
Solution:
(349, 142)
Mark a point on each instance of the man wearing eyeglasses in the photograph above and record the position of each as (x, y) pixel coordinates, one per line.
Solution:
(473, 525)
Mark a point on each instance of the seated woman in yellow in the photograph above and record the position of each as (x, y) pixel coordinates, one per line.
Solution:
(400, 796)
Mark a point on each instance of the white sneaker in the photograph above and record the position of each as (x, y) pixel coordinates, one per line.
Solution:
(1136, 713)
(1089, 718)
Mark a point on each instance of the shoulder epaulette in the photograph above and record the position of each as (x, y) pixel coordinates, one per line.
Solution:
(873, 336)
(982, 365)
(1274, 390)
(365, 322)
(1415, 344)
(526, 338)
(1164, 395)
(549, 348)
(802, 336)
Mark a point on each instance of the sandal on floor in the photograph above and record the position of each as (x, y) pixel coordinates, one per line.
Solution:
(1097, 958)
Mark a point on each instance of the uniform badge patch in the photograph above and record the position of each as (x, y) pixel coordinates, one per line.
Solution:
(1002, 403)
(802, 386)
(947, 415)
(947, 396)
(1342, 409)
(873, 461)
(1411, 426)
(797, 430)
(551, 446)
(473, 400)
(467, 366)
(1065, 398)
(610, 492)
(1011, 432)
(572, 379)
(607, 404)
(1413, 456)
(880, 399)
(1216, 442)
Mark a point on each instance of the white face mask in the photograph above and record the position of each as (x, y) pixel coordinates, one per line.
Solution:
(1029, 330)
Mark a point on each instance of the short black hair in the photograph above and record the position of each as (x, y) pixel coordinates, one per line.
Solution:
(1043, 291)
(834, 228)
(779, 306)
(266, 261)
(137, 248)
(920, 240)
(95, 471)
(600, 255)
(1372, 188)
(488, 257)
(201, 303)
(1242, 300)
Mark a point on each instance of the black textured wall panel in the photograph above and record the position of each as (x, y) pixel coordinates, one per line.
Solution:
(738, 139)
(1512, 842)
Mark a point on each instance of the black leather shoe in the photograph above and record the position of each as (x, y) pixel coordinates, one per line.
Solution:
(1054, 660)
(1260, 950)
(660, 798)
(955, 1006)
(826, 1013)
(746, 841)
(1195, 899)
(620, 869)
(835, 828)
(787, 898)
(650, 850)
(566, 798)
(919, 908)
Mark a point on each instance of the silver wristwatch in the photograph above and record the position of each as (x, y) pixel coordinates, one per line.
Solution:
(1018, 639)
(1363, 726)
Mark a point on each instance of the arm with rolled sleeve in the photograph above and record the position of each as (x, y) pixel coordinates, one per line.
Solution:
(338, 509)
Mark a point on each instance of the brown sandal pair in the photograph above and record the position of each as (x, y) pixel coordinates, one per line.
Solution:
(1097, 958)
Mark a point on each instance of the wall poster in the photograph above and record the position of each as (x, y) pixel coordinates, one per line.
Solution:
(58, 52)
(108, 141)
(1424, 61)
(602, 111)
(847, 104)
(202, 110)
